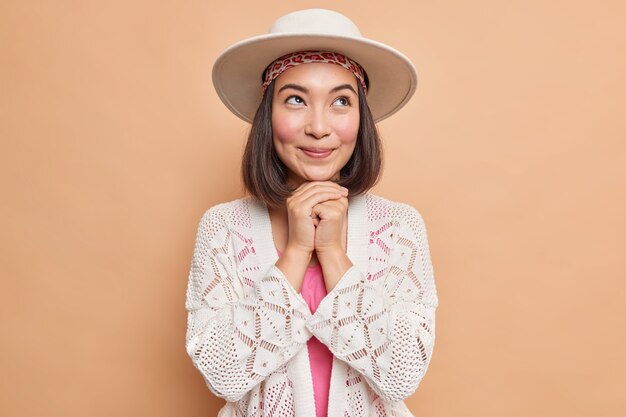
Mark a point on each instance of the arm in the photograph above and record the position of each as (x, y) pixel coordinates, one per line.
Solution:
(384, 327)
(240, 328)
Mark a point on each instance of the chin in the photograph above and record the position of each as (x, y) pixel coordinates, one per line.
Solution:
(318, 176)
(322, 177)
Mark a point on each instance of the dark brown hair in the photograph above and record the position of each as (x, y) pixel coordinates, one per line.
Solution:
(265, 175)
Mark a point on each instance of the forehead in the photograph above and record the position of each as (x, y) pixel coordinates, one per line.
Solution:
(317, 74)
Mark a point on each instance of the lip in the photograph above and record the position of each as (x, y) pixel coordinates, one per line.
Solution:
(317, 153)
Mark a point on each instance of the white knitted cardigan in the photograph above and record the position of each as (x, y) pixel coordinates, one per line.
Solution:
(248, 327)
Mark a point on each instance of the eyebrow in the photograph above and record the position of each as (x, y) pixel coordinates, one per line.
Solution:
(293, 86)
(343, 87)
(306, 90)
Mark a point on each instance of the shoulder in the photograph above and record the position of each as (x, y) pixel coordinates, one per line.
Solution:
(231, 215)
(228, 212)
(383, 213)
(381, 208)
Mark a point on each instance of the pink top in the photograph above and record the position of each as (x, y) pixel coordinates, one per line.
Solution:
(321, 359)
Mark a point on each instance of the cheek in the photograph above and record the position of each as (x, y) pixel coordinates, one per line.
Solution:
(347, 129)
(284, 128)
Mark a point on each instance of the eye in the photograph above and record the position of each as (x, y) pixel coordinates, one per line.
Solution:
(342, 101)
(297, 100)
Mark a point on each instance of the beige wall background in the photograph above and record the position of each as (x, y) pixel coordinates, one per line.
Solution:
(113, 143)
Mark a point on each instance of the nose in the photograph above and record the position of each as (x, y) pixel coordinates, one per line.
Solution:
(318, 124)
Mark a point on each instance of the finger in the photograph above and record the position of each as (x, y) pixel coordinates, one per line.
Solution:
(340, 203)
(314, 195)
(304, 207)
(313, 184)
(305, 195)
(309, 183)
(331, 209)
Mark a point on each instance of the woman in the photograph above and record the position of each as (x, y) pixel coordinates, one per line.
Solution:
(312, 297)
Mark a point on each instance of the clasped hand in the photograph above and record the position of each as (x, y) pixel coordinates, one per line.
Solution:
(317, 215)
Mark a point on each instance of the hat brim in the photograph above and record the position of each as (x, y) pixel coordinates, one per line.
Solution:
(238, 70)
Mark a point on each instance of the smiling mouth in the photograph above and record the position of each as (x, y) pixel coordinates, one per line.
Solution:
(317, 153)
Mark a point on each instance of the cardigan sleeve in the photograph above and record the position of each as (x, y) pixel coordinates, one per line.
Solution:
(383, 324)
(242, 324)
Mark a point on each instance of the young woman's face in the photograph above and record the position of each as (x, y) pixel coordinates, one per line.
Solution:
(315, 120)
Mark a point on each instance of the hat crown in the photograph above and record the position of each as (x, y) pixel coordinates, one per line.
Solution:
(237, 71)
(318, 21)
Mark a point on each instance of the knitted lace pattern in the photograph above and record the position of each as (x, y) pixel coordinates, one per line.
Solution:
(248, 327)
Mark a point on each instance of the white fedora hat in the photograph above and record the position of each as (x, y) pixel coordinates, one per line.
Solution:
(238, 71)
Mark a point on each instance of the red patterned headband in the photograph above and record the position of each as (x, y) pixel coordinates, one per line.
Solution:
(307, 57)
